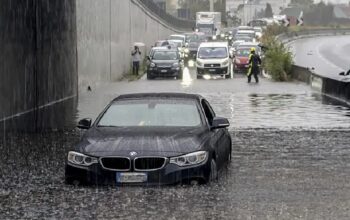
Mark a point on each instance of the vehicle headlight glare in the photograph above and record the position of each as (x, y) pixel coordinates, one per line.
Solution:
(81, 159)
(152, 65)
(190, 159)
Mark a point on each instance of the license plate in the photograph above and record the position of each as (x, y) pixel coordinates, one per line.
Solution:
(131, 177)
(164, 71)
(212, 70)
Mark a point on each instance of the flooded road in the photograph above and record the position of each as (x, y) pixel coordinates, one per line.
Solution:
(291, 160)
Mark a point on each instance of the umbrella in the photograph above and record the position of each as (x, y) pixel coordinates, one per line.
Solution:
(139, 44)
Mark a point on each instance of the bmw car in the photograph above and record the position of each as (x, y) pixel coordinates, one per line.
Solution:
(151, 139)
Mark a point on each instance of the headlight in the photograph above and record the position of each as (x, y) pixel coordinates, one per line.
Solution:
(222, 35)
(190, 159)
(214, 37)
(152, 65)
(81, 159)
(199, 63)
(175, 65)
(225, 63)
(230, 37)
(238, 61)
(186, 50)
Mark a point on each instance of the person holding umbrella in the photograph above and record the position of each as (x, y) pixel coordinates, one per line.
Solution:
(136, 59)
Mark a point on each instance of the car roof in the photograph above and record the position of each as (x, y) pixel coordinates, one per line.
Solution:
(214, 44)
(188, 96)
(176, 41)
(249, 44)
(164, 49)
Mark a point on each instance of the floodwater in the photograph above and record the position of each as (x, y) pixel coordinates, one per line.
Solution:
(291, 160)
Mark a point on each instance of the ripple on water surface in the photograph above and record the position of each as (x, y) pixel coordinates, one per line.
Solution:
(282, 111)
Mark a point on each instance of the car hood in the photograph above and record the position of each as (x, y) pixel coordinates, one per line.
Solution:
(146, 142)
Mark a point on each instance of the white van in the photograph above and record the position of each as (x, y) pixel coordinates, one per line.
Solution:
(213, 59)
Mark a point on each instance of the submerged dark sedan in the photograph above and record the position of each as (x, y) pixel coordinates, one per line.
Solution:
(151, 139)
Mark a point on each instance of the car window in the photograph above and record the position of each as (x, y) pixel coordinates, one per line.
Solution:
(209, 113)
(212, 52)
(165, 55)
(152, 112)
(243, 53)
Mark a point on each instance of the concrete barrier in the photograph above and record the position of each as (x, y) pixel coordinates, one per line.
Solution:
(332, 87)
(327, 86)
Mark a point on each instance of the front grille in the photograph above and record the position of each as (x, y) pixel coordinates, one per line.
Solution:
(211, 65)
(116, 163)
(149, 163)
(164, 66)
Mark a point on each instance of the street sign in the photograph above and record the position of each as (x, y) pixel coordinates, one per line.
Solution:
(286, 22)
(300, 21)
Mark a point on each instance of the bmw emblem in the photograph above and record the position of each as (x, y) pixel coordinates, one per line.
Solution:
(133, 153)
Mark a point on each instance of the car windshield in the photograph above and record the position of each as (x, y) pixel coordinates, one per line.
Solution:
(174, 37)
(243, 53)
(212, 52)
(152, 113)
(165, 55)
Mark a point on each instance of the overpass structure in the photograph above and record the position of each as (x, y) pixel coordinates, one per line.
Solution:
(51, 49)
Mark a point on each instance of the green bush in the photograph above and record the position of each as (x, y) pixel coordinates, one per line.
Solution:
(278, 61)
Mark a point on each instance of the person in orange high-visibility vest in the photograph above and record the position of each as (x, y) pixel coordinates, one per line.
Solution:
(254, 65)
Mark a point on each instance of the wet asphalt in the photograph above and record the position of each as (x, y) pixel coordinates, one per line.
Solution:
(328, 55)
(291, 160)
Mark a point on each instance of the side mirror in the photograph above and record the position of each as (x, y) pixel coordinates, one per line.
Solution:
(219, 122)
(148, 58)
(85, 123)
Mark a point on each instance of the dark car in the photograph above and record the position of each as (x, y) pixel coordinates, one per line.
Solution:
(151, 139)
(164, 62)
(192, 45)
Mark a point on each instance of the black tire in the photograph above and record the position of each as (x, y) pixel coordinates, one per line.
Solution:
(228, 76)
(199, 77)
(179, 76)
(149, 77)
(214, 174)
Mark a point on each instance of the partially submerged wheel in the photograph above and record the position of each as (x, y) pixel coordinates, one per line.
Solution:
(213, 171)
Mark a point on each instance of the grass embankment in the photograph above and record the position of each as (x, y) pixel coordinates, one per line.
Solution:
(278, 59)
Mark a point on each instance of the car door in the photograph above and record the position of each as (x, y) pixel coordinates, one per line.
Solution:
(216, 135)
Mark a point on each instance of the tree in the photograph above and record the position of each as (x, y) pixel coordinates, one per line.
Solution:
(268, 11)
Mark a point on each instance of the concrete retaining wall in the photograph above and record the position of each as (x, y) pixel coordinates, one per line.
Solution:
(37, 60)
(50, 48)
(107, 30)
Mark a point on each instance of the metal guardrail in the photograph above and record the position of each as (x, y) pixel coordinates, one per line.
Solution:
(292, 36)
(175, 22)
